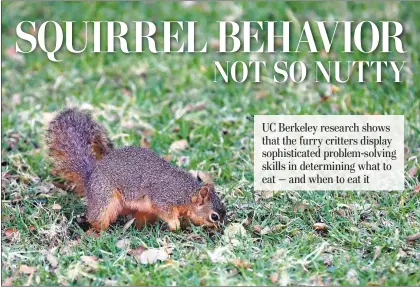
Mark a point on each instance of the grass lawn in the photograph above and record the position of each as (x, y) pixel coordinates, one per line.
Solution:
(168, 97)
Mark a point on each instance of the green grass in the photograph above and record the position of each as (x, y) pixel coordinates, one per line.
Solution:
(131, 94)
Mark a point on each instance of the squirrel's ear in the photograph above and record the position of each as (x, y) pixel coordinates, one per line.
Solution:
(204, 194)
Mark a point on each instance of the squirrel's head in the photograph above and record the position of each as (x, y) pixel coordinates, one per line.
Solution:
(207, 208)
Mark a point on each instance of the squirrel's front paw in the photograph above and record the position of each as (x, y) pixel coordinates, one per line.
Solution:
(174, 224)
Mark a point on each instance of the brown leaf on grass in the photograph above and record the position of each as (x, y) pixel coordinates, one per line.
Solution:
(352, 277)
(136, 252)
(168, 157)
(148, 133)
(91, 261)
(86, 258)
(12, 140)
(324, 98)
(413, 237)
(48, 117)
(401, 253)
(16, 99)
(11, 232)
(412, 172)
(32, 228)
(151, 256)
(92, 233)
(378, 250)
(218, 254)
(178, 145)
(416, 189)
(215, 44)
(52, 260)
(25, 269)
(274, 277)
(123, 243)
(300, 207)
(183, 160)
(128, 224)
(56, 206)
(202, 175)
(257, 228)
(234, 229)
(13, 55)
(334, 89)
(195, 107)
(261, 94)
(145, 143)
(240, 263)
(7, 281)
(247, 221)
(269, 194)
(271, 229)
(4, 217)
(320, 226)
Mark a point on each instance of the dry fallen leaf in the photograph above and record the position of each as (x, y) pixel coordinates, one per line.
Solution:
(123, 243)
(178, 145)
(378, 250)
(334, 89)
(272, 229)
(151, 256)
(56, 206)
(257, 228)
(12, 54)
(48, 117)
(413, 237)
(168, 157)
(52, 260)
(218, 255)
(401, 253)
(352, 277)
(136, 252)
(202, 175)
(320, 226)
(234, 229)
(128, 224)
(240, 263)
(215, 44)
(300, 207)
(11, 232)
(265, 230)
(90, 261)
(25, 269)
(7, 281)
(92, 233)
(195, 107)
(183, 160)
(261, 94)
(274, 277)
(145, 143)
(16, 99)
(412, 172)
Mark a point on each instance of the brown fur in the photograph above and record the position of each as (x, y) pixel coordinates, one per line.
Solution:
(129, 181)
(74, 143)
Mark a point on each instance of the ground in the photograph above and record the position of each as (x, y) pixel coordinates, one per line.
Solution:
(161, 99)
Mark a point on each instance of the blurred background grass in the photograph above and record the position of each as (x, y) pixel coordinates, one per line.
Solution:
(167, 97)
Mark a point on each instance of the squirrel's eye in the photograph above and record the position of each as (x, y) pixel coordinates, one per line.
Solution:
(214, 216)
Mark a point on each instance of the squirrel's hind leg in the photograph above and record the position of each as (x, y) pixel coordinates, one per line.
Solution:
(143, 218)
(100, 217)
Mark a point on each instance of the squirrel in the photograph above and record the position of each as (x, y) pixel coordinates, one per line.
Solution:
(126, 181)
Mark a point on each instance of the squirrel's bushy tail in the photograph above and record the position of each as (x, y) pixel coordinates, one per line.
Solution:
(75, 141)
